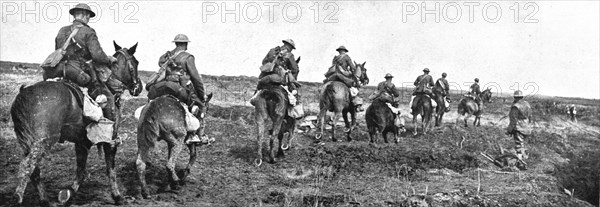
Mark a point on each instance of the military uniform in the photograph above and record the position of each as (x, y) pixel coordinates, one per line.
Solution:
(285, 61)
(518, 127)
(442, 87)
(342, 69)
(184, 75)
(423, 84)
(183, 81)
(476, 92)
(83, 47)
(387, 91)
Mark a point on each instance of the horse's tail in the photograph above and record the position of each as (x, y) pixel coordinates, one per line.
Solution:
(327, 96)
(24, 129)
(462, 106)
(147, 130)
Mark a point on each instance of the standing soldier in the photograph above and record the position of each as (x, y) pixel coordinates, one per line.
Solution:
(183, 81)
(475, 92)
(343, 70)
(423, 85)
(442, 90)
(518, 127)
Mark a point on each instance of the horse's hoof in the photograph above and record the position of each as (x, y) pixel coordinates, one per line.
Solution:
(285, 147)
(145, 194)
(118, 199)
(45, 203)
(257, 162)
(280, 154)
(175, 185)
(17, 199)
(318, 136)
(64, 196)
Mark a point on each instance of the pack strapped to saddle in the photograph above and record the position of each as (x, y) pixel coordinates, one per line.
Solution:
(55, 57)
(162, 71)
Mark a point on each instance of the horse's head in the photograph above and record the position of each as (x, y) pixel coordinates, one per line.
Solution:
(486, 95)
(126, 69)
(362, 73)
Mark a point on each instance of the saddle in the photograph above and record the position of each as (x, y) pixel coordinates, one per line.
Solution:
(74, 88)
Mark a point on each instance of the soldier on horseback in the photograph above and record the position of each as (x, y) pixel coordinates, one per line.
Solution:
(476, 92)
(82, 56)
(84, 46)
(280, 61)
(387, 91)
(442, 88)
(344, 70)
(182, 80)
(423, 85)
(518, 127)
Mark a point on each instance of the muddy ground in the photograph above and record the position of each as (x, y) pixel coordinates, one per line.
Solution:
(442, 168)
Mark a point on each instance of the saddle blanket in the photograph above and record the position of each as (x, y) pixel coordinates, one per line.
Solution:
(433, 103)
(191, 122)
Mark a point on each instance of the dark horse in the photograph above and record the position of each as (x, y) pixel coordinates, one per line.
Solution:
(469, 107)
(380, 120)
(440, 109)
(422, 106)
(48, 112)
(164, 119)
(335, 97)
(273, 104)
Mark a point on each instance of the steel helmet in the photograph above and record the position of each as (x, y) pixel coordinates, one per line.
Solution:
(84, 7)
(426, 70)
(444, 75)
(518, 94)
(389, 75)
(477, 80)
(290, 42)
(341, 48)
(181, 38)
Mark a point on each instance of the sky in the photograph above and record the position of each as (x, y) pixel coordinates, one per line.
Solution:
(540, 47)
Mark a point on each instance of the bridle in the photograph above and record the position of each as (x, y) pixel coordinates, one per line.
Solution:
(130, 68)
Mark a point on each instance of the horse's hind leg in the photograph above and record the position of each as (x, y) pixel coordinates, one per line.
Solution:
(140, 162)
(277, 123)
(175, 145)
(335, 119)
(260, 125)
(416, 127)
(321, 123)
(193, 156)
(352, 125)
(280, 152)
(81, 152)
(109, 157)
(27, 169)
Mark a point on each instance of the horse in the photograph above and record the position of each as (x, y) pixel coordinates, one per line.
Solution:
(441, 108)
(468, 106)
(335, 97)
(48, 112)
(164, 119)
(421, 106)
(380, 120)
(273, 103)
(486, 95)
